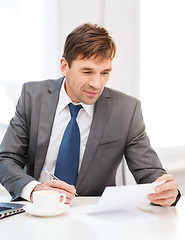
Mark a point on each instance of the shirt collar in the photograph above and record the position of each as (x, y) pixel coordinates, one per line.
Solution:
(64, 100)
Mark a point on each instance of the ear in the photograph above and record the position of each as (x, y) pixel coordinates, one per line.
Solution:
(64, 67)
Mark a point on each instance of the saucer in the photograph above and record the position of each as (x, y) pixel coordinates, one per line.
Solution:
(29, 208)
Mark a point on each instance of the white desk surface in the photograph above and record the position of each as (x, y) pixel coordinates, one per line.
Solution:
(169, 225)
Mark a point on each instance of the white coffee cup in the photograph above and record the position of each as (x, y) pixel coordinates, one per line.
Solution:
(48, 200)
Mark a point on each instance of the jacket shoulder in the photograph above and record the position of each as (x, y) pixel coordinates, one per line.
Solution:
(118, 96)
(43, 86)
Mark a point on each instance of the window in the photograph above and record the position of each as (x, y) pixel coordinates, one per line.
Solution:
(18, 50)
(162, 65)
(28, 52)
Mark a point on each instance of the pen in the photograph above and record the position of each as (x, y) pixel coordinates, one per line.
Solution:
(54, 177)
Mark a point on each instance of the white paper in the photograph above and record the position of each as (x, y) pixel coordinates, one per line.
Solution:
(114, 217)
(124, 197)
(118, 204)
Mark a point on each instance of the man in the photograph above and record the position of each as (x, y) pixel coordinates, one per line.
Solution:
(110, 125)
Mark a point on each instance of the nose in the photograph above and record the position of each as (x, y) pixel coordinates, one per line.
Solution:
(95, 82)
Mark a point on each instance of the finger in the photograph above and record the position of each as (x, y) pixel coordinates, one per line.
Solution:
(69, 196)
(164, 198)
(166, 177)
(67, 200)
(164, 195)
(61, 185)
(41, 187)
(164, 202)
(166, 186)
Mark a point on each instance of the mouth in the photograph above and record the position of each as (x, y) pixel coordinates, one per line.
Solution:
(91, 93)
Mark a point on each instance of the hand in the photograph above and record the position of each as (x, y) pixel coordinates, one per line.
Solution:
(57, 185)
(166, 193)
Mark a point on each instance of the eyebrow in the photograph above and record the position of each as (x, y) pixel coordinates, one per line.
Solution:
(90, 69)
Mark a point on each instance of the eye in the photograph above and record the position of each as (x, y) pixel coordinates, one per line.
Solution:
(87, 72)
(105, 73)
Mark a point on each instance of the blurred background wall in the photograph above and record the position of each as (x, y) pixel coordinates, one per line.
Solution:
(149, 64)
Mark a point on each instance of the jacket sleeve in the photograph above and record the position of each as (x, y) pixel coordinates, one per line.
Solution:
(142, 160)
(14, 151)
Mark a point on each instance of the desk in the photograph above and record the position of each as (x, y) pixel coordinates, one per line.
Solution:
(168, 226)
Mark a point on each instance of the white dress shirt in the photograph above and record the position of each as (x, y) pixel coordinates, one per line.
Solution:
(62, 117)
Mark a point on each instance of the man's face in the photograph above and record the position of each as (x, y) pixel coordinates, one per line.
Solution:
(86, 78)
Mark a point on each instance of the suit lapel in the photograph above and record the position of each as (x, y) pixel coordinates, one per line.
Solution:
(47, 114)
(101, 115)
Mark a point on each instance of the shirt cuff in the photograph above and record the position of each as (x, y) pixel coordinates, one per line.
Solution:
(28, 188)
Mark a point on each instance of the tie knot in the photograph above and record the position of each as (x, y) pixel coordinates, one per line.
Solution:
(74, 109)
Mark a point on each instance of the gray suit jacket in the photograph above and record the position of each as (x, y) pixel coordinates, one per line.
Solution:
(117, 130)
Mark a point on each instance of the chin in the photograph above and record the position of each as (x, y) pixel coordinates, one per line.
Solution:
(89, 102)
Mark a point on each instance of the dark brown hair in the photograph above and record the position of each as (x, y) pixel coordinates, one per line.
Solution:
(89, 40)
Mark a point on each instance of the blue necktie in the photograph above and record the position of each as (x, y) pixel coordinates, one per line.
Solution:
(68, 156)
